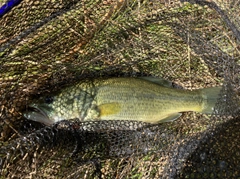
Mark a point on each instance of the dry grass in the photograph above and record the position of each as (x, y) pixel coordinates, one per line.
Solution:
(184, 43)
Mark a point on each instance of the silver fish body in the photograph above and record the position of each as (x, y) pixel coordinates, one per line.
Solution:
(139, 99)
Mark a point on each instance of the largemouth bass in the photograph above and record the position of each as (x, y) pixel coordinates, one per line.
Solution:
(142, 99)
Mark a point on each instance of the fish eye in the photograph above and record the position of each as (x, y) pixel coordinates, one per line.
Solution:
(49, 99)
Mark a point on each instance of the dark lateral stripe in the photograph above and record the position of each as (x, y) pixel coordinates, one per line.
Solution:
(8, 6)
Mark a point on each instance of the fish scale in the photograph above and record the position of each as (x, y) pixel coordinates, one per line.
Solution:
(142, 104)
(141, 99)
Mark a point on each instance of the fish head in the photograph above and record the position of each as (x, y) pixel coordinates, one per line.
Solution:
(42, 110)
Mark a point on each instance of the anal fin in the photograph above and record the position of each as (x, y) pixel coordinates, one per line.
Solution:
(171, 117)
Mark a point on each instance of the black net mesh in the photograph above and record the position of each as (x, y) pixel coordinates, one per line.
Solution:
(46, 45)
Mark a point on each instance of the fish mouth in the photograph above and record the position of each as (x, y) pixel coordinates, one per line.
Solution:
(38, 114)
(39, 110)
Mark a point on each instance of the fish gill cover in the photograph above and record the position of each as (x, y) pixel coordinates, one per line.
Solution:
(47, 45)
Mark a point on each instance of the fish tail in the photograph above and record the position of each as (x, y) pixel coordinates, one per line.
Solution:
(210, 97)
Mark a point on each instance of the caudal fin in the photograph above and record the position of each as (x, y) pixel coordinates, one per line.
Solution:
(210, 97)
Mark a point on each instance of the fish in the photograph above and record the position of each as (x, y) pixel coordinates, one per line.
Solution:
(145, 99)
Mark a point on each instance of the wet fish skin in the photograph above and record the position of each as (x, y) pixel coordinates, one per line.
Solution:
(122, 99)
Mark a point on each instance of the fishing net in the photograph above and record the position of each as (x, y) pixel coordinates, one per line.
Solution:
(47, 45)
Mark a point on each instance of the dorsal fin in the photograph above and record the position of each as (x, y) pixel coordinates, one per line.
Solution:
(159, 81)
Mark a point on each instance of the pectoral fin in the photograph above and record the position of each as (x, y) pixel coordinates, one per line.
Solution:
(109, 109)
(159, 81)
(171, 117)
